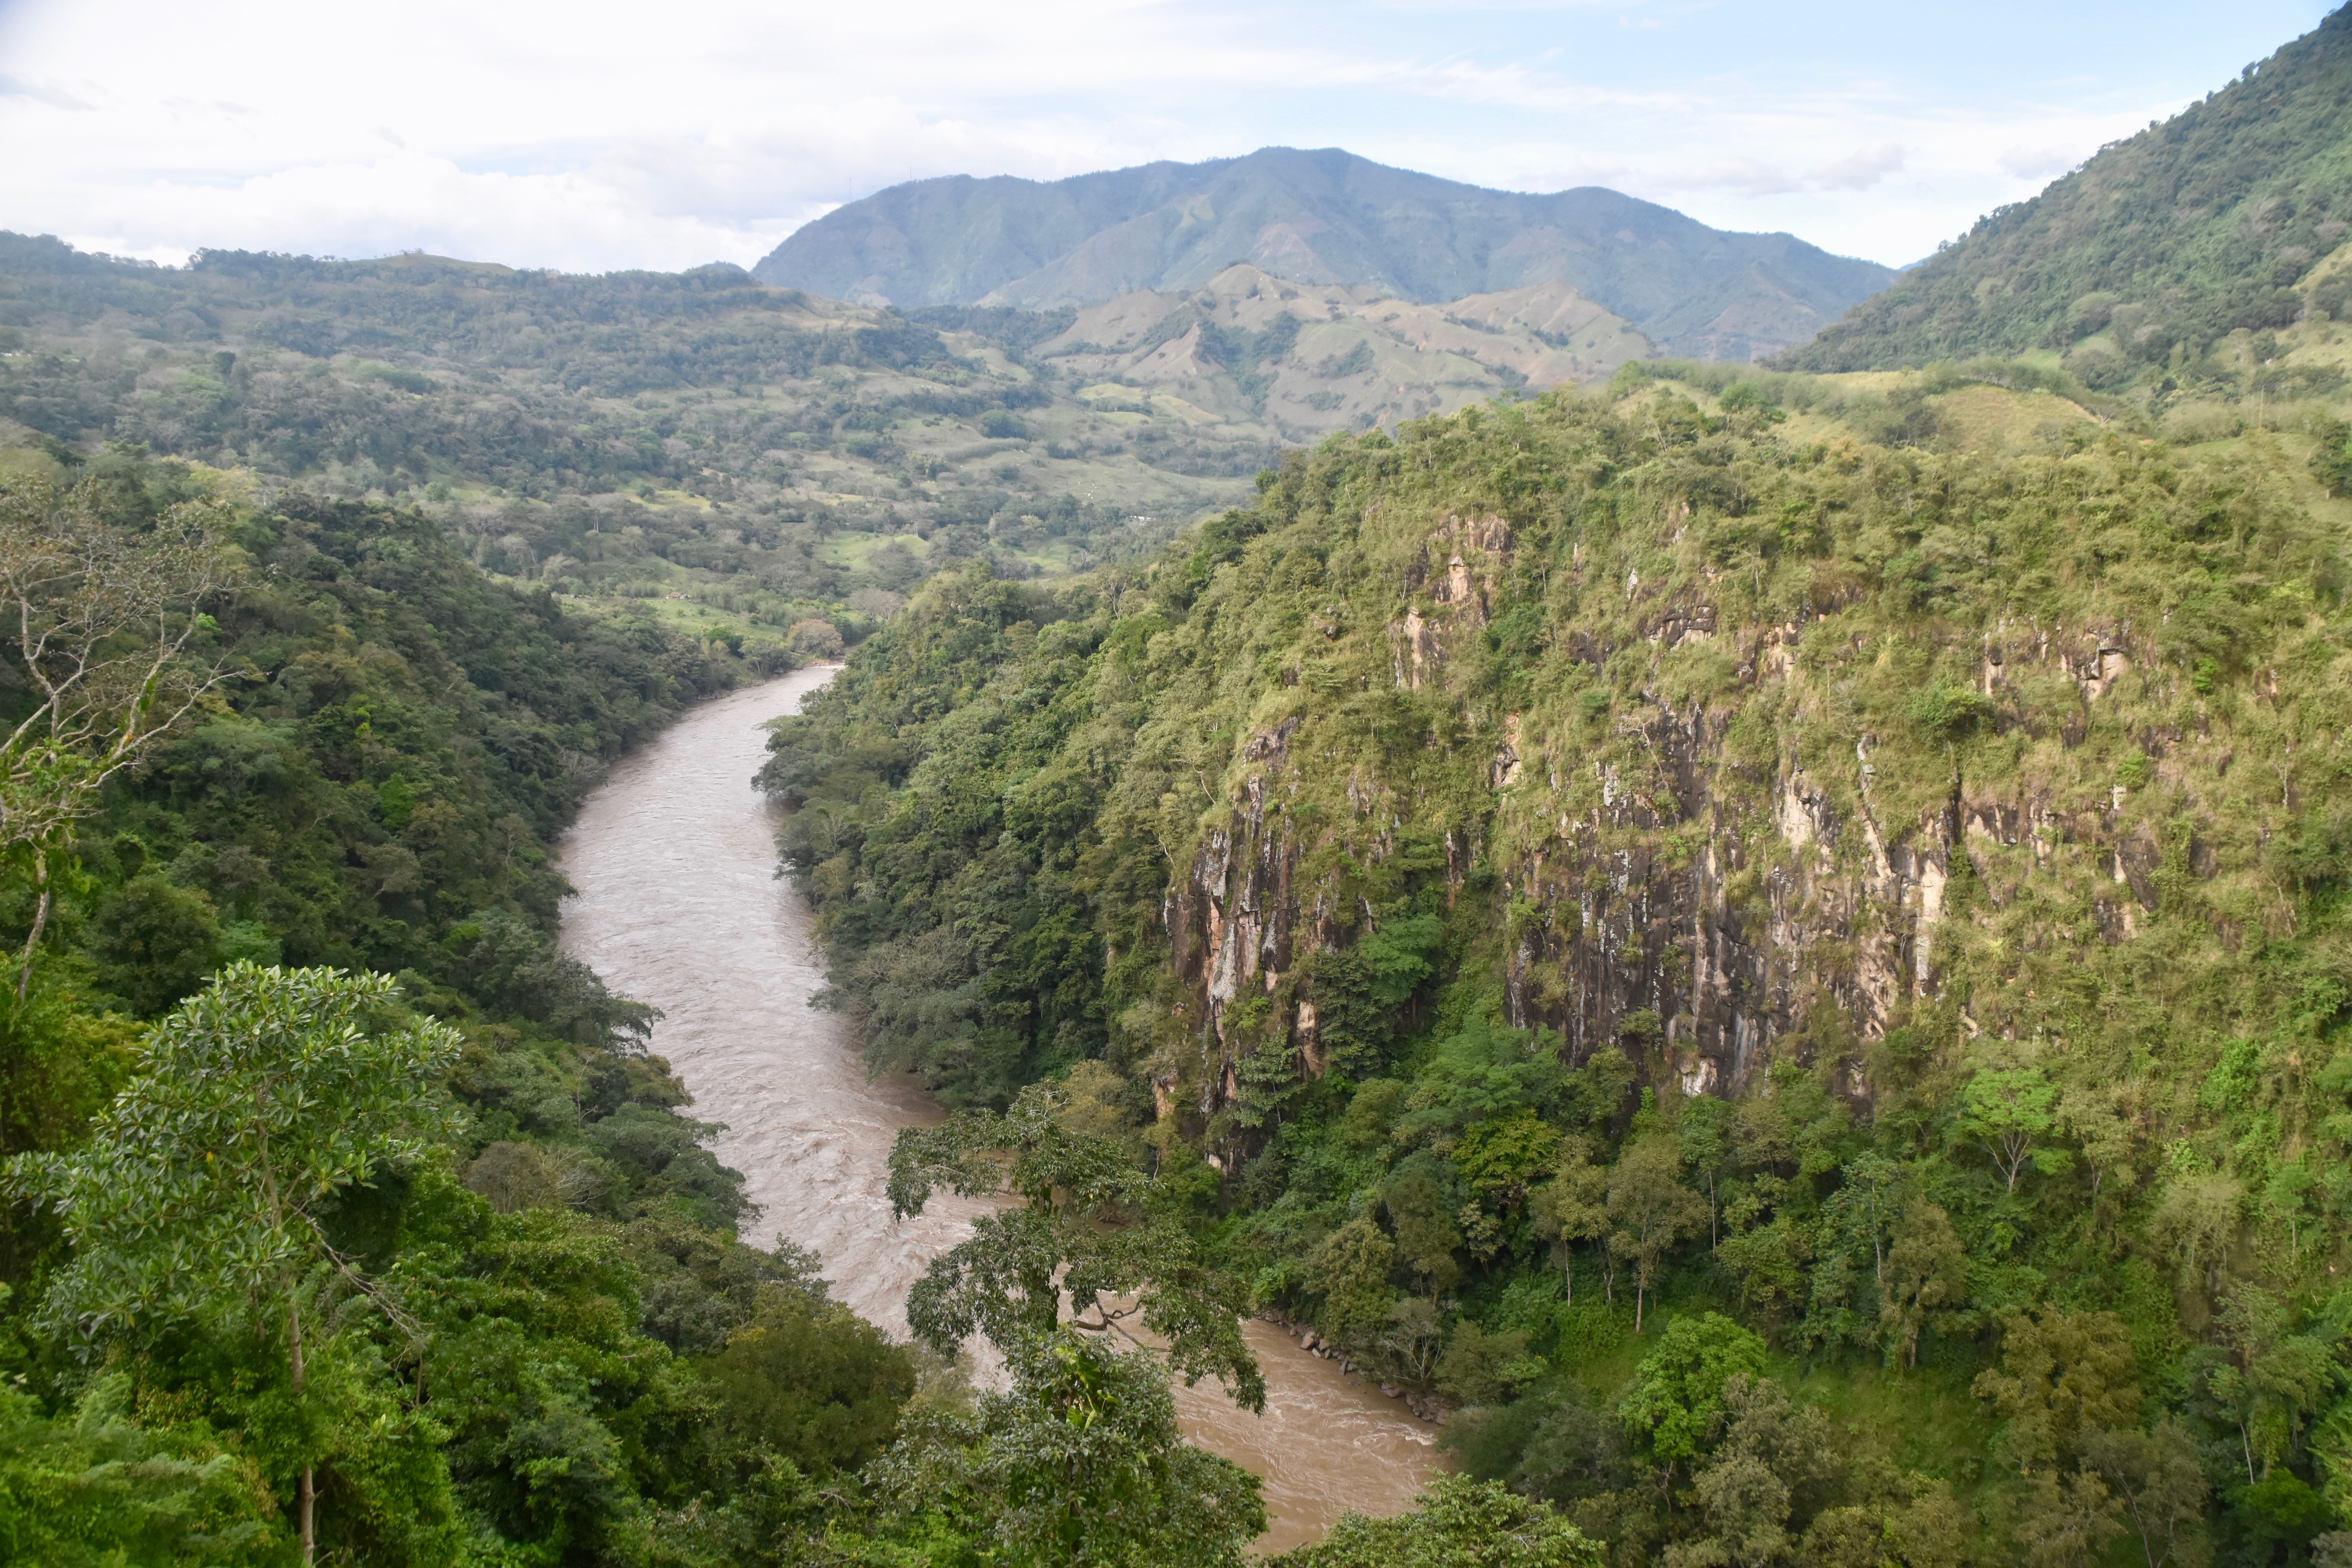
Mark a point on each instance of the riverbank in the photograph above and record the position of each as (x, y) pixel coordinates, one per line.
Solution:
(679, 907)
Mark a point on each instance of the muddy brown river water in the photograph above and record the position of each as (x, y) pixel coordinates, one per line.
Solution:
(678, 906)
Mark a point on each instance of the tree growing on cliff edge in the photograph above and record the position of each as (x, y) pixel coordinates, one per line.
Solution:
(2010, 1111)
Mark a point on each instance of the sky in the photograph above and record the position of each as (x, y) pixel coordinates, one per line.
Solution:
(591, 136)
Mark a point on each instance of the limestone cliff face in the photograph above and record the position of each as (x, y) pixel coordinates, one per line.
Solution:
(1638, 727)
(1693, 866)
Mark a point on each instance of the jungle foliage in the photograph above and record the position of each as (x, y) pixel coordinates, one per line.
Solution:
(351, 1218)
(348, 1217)
(2021, 1245)
(627, 436)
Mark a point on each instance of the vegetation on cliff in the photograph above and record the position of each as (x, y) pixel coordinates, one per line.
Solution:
(1795, 982)
(348, 1220)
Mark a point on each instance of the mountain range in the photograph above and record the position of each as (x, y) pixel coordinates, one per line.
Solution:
(1323, 216)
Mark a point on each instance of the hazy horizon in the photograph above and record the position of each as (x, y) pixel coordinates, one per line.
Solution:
(586, 138)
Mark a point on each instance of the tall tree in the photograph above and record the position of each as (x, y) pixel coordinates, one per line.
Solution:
(1572, 1206)
(1351, 1272)
(2060, 1375)
(1704, 1129)
(1081, 1461)
(2156, 1478)
(2009, 1111)
(1671, 1407)
(1456, 1521)
(1088, 1222)
(1651, 1209)
(201, 1196)
(1926, 1272)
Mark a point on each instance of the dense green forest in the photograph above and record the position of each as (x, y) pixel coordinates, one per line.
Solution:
(348, 1220)
(2138, 263)
(1794, 982)
(1772, 950)
(371, 784)
(634, 439)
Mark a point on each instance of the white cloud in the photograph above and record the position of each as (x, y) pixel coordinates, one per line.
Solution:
(1859, 171)
(1755, 177)
(588, 134)
(575, 220)
(38, 92)
(1742, 177)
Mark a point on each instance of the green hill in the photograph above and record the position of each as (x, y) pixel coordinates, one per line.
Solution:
(1649, 887)
(695, 443)
(1322, 217)
(729, 454)
(2162, 244)
(1301, 360)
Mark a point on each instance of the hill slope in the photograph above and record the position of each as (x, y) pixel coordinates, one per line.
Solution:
(2180, 235)
(1879, 910)
(1323, 216)
(729, 453)
(1302, 361)
(378, 788)
(637, 436)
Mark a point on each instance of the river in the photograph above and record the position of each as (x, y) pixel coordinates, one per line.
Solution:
(678, 906)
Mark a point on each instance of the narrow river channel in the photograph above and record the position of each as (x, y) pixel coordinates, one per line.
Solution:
(678, 906)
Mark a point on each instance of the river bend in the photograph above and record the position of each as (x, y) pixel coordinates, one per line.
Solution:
(678, 905)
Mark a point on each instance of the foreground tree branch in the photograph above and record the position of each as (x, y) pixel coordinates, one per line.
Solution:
(99, 623)
(196, 1199)
(1088, 1223)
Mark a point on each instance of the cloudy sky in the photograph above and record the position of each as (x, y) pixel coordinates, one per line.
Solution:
(588, 135)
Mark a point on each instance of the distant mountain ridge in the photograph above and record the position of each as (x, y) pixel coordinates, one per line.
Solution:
(1321, 217)
(2194, 228)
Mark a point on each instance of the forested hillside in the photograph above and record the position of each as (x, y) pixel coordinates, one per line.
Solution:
(2154, 250)
(1796, 983)
(691, 440)
(730, 456)
(1304, 361)
(535, 1337)
(347, 1219)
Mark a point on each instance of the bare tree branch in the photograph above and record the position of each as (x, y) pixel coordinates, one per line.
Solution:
(98, 623)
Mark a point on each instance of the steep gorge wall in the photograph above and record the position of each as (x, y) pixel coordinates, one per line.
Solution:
(1769, 828)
